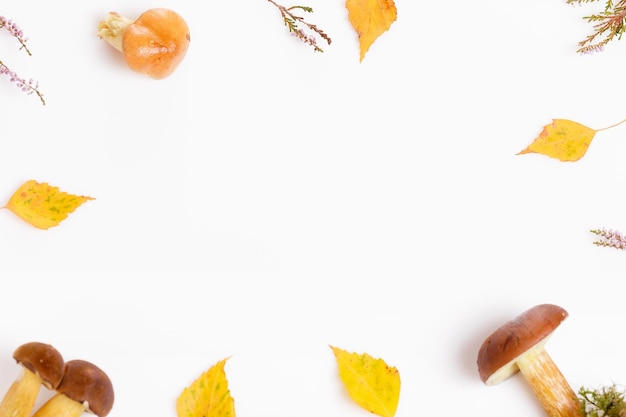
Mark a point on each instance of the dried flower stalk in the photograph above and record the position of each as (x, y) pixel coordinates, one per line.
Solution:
(291, 21)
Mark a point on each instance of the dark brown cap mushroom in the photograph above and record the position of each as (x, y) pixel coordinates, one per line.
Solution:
(84, 387)
(519, 346)
(42, 365)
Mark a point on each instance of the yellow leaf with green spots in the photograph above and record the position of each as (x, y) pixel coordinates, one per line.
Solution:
(207, 396)
(562, 139)
(565, 140)
(370, 382)
(43, 205)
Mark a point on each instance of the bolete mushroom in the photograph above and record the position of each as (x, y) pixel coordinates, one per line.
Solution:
(84, 387)
(154, 44)
(42, 365)
(519, 345)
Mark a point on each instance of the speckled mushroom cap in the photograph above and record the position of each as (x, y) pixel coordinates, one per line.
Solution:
(499, 351)
(43, 360)
(85, 383)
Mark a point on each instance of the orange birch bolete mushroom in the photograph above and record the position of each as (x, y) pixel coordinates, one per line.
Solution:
(153, 45)
(519, 346)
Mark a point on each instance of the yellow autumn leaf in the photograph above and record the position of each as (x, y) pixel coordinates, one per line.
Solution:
(562, 139)
(207, 396)
(370, 382)
(370, 19)
(43, 205)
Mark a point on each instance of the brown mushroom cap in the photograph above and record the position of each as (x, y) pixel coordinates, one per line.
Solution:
(156, 43)
(43, 360)
(496, 357)
(85, 383)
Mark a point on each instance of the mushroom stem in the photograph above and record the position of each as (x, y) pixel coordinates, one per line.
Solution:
(548, 383)
(20, 398)
(61, 406)
(112, 28)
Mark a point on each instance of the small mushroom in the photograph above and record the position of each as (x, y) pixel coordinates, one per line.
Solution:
(84, 388)
(519, 346)
(42, 365)
(154, 44)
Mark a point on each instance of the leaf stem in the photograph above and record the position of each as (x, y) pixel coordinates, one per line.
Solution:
(613, 125)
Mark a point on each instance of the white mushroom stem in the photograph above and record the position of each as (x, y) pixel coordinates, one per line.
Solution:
(548, 383)
(20, 398)
(112, 28)
(61, 405)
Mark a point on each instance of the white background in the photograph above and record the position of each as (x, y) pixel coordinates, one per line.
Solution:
(265, 201)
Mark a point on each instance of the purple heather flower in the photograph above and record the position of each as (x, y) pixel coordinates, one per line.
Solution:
(15, 31)
(28, 86)
(592, 49)
(610, 238)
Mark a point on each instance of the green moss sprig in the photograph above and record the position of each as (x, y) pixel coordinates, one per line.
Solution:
(602, 402)
(607, 25)
(310, 32)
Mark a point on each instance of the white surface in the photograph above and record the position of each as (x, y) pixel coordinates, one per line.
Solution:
(266, 201)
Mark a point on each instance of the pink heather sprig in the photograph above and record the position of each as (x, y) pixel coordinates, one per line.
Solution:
(15, 31)
(610, 238)
(28, 86)
(299, 33)
(292, 21)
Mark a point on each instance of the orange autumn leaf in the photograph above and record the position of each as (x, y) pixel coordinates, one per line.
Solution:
(207, 396)
(370, 382)
(370, 19)
(43, 205)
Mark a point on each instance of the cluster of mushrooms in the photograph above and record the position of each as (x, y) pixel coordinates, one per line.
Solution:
(519, 346)
(79, 386)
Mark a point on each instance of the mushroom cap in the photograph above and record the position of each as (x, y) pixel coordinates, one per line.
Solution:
(498, 353)
(156, 43)
(85, 383)
(43, 360)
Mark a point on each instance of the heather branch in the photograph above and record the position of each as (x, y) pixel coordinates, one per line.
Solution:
(607, 25)
(29, 87)
(15, 31)
(291, 21)
(609, 238)
(582, 1)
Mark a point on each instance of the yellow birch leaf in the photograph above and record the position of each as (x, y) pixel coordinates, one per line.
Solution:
(43, 205)
(207, 396)
(563, 139)
(370, 382)
(370, 19)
